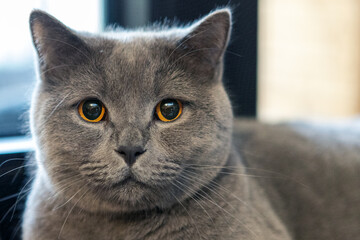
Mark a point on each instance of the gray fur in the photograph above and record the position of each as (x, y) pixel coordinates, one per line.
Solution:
(194, 180)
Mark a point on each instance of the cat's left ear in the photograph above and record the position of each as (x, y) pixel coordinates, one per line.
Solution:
(209, 37)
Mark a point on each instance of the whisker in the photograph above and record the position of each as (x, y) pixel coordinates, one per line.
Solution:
(209, 200)
(11, 160)
(63, 188)
(3, 199)
(194, 223)
(15, 177)
(14, 169)
(10, 209)
(279, 175)
(18, 227)
(221, 208)
(213, 183)
(193, 199)
(17, 200)
(56, 107)
(68, 199)
(62, 227)
(234, 53)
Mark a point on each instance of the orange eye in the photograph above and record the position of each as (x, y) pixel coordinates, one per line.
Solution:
(92, 110)
(169, 110)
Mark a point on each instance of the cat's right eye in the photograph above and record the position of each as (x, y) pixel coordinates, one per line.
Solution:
(91, 110)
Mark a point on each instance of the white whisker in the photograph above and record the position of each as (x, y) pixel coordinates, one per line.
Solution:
(62, 227)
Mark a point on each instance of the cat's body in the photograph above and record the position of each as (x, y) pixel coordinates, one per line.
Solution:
(191, 179)
(311, 175)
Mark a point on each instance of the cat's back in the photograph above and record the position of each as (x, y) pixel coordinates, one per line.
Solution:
(311, 173)
(330, 140)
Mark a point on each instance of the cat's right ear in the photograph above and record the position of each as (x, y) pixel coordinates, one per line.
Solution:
(55, 43)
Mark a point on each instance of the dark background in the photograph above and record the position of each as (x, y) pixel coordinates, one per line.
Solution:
(240, 81)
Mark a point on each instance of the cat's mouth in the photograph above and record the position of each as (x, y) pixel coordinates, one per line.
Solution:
(129, 180)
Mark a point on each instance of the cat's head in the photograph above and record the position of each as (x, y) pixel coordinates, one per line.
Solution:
(124, 120)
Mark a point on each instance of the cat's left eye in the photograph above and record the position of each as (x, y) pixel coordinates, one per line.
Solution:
(91, 110)
(168, 110)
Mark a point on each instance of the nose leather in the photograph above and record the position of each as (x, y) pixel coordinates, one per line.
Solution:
(130, 153)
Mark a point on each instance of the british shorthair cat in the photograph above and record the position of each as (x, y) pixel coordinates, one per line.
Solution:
(135, 139)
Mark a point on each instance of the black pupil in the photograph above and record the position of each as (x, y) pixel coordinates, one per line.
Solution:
(169, 108)
(92, 109)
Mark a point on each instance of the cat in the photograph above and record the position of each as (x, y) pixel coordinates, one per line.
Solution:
(135, 139)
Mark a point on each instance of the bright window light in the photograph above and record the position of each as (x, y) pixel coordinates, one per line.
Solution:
(17, 73)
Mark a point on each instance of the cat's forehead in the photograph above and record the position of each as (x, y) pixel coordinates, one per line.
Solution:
(139, 70)
(140, 53)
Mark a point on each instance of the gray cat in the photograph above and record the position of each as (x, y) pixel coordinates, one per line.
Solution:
(135, 139)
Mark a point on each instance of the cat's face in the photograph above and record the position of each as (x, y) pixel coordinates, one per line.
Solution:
(130, 73)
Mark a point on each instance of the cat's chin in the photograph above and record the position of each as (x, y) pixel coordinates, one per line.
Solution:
(127, 195)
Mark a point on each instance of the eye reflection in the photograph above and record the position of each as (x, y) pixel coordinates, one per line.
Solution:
(169, 110)
(92, 110)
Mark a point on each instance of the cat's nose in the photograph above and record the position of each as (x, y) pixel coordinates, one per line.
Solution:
(130, 153)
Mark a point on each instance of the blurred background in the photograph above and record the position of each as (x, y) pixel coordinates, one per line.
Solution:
(295, 59)
(287, 59)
